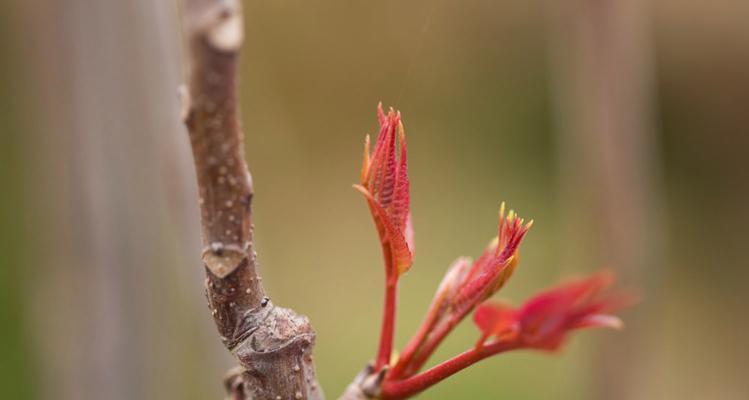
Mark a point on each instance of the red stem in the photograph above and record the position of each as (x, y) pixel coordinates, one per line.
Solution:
(416, 342)
(433, 341)
(394, 390)
(388, 324)
(388, 312)
(429, 347)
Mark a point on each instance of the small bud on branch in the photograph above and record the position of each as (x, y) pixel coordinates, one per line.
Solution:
(385, 185)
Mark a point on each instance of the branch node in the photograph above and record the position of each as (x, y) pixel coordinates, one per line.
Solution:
(221, 23)
(366, 385)
(222, 259)
(184, 100)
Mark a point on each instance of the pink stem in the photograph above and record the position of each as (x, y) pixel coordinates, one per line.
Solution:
(433, 341)
(388, 324)
(394, 390)
(416, 342)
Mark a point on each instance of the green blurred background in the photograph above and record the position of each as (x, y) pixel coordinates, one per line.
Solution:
(620, 126)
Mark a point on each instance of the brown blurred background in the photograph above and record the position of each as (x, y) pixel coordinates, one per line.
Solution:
(620, 126)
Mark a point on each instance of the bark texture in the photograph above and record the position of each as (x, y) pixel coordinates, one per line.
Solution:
(272, 344)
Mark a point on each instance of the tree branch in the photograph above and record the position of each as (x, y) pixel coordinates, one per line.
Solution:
(273, 345)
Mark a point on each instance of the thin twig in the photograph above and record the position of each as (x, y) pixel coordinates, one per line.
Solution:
(402, 389)
(387, 332)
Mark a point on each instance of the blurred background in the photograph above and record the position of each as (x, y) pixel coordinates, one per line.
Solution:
(620, 126)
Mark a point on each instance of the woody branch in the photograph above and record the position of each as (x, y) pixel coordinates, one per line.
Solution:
(272, 345)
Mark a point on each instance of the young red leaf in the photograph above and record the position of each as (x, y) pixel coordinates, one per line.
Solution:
(495, 319)
(544, 321)
(385, 185)
(391, 238)
(495, 266)
(464, 286)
